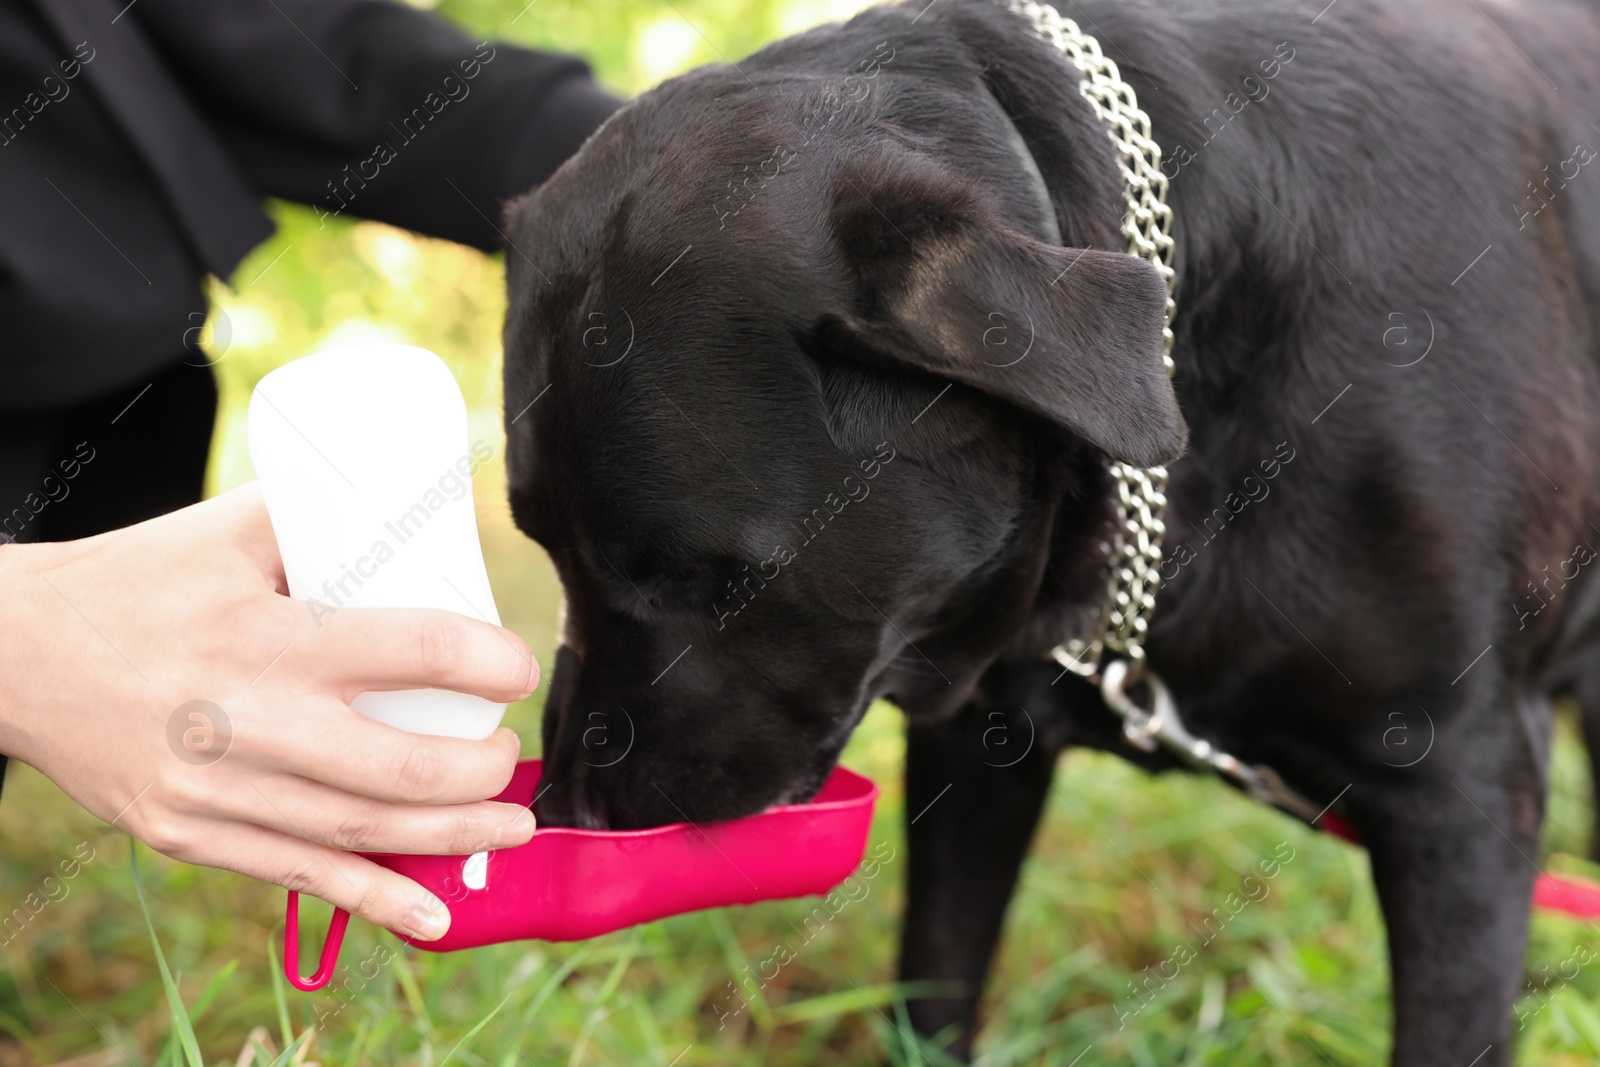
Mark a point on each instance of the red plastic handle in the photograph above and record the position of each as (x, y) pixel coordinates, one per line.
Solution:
(330, 947)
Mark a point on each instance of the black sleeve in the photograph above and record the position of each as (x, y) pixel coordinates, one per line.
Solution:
(370, 108)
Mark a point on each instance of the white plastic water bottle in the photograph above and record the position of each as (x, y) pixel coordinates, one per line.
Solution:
(363, 458)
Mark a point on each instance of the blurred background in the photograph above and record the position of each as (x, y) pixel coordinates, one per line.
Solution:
(1126, 868)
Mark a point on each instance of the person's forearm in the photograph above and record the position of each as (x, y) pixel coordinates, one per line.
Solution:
(390, 113)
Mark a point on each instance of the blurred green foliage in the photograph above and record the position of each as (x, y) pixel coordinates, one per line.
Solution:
(1125, 869)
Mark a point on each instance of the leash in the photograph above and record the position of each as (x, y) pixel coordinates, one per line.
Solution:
(1113, 656)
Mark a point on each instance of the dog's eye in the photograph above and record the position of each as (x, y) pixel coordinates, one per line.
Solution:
(676, 585)
(685, 572)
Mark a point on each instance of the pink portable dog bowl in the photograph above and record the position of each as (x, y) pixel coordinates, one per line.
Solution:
(566, 885)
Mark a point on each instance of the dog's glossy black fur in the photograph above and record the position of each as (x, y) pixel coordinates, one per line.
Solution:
(810, 390)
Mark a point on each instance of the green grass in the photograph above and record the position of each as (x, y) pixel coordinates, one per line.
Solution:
(1125, 869)
(1292, 978)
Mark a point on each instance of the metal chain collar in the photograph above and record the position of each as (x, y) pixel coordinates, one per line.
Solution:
(1135, 548)
(1113, 656)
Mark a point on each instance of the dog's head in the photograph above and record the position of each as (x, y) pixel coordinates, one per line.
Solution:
(807, 401)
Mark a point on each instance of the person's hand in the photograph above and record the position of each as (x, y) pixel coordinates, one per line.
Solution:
(109, 638)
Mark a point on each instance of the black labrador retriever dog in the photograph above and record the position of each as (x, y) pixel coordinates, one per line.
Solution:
(815, 363)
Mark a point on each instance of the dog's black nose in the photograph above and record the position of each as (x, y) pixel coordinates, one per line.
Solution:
(564, 802)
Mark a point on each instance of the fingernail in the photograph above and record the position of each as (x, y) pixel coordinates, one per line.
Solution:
(517, 830)
(428, 921)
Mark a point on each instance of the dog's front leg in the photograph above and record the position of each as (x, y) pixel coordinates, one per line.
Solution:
(975, 786)
(1455, 845)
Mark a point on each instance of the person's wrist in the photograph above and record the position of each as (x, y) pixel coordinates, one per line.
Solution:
(41, 651)
(21, 568)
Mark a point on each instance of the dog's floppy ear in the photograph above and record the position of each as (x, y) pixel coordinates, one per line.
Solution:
(1073, 335)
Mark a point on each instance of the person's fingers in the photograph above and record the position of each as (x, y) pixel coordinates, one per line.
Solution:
(326, 816)
(343, 879)
(361, 649)
(355, 754)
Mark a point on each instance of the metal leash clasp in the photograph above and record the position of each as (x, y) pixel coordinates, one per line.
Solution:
(1160, 726)
(1156, 726)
